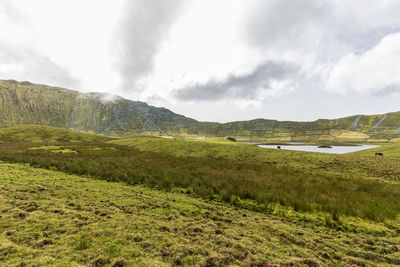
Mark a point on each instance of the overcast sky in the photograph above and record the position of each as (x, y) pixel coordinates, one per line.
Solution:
(213, 60)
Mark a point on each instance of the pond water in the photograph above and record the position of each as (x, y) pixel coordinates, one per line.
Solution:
(333, 150)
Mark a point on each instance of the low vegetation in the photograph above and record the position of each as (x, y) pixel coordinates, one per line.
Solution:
(51, 218)
(248, 182)
(391, 151)
(40, 134)
(348, 165)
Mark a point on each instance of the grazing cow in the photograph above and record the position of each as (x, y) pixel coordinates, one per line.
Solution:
(378, 154)
(278, 147)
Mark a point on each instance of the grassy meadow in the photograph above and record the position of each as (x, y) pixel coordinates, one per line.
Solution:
(154, 201)
(358, 164)
(391, 151)
(242, 179)
(51, 218)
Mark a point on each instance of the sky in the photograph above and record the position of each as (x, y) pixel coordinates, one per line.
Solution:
(213, 60)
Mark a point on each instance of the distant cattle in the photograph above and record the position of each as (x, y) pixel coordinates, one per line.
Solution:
(278, 147)
(379, 154)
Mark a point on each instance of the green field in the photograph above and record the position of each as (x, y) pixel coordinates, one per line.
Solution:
(245, 175)
(71, 198)
(391, 151)
(359, 164)
(53, 219)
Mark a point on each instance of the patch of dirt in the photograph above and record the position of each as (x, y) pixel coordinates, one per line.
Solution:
(119, 263)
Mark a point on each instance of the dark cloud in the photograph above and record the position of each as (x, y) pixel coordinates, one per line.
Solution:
(283, 22)
(326, 24)
(388, 90)
(145, 26)
(238, 86)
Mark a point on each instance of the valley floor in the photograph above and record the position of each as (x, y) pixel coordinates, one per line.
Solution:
(49, 218)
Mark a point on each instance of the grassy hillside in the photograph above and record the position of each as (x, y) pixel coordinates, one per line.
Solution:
(389, 151)
(42, 134)
(239, 174)
(358, 164)
(27, 103)
(54, 219)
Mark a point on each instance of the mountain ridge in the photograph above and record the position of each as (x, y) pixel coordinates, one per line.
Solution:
(29, 103)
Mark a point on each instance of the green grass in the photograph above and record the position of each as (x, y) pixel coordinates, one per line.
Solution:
(51, 218)
(391, 151)
(41, 134)
(55, 149)
(349, 165)
(235, 173)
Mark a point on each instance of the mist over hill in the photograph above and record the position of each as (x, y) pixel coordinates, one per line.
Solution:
(28, 103)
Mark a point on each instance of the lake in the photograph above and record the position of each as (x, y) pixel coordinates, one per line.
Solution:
(333, 150)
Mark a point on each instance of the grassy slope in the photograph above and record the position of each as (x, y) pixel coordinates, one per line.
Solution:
(27, 103)
(42, 134)
(250, 180)
(54, 219)
(349, 165)
(389, 151)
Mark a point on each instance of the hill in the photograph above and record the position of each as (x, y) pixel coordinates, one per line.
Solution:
(27, 103)
(391, 151)
(45, 134)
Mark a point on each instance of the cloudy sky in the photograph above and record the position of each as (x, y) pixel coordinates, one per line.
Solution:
(214, 60)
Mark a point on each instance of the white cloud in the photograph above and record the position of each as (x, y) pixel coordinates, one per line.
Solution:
(73, 35)
(374, 71)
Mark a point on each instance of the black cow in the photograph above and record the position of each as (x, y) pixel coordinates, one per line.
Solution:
(378, 154)
(278, 147)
